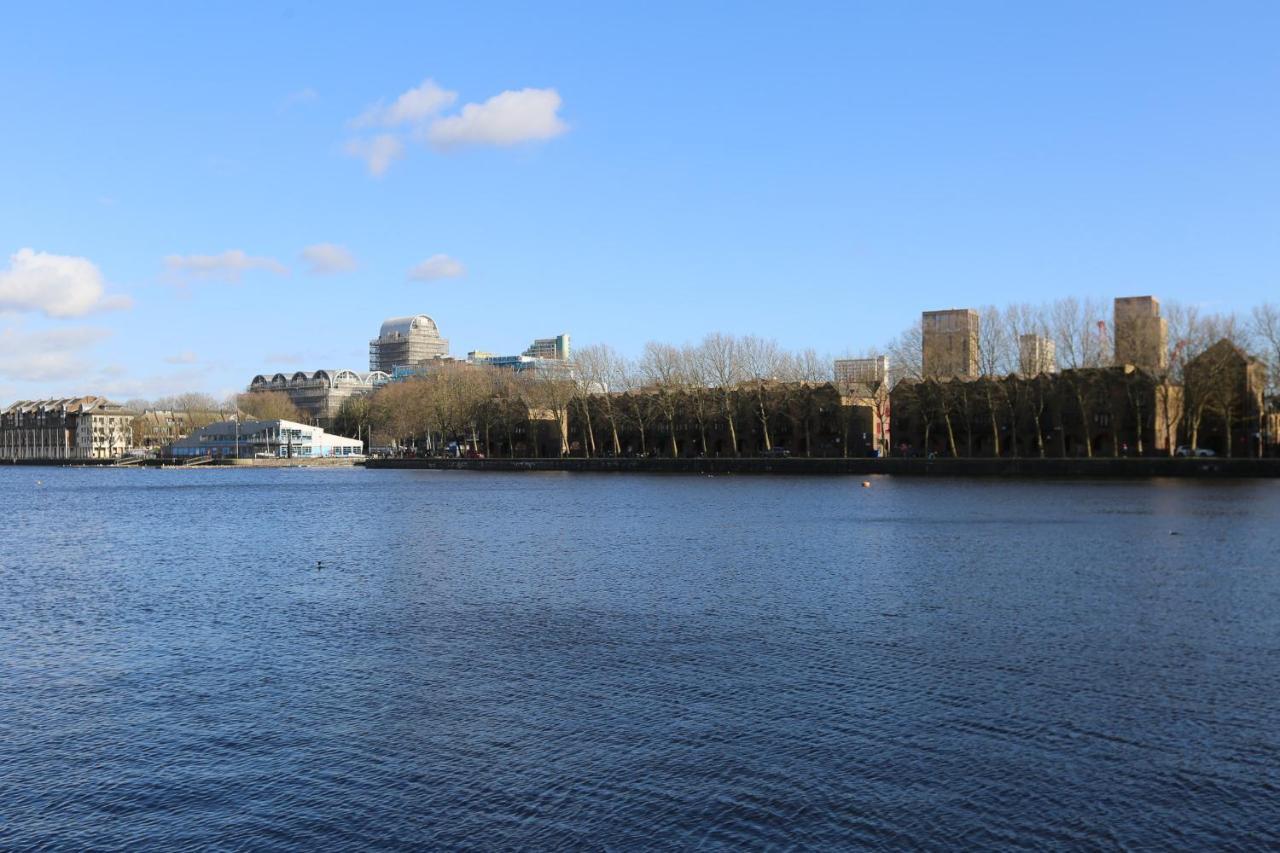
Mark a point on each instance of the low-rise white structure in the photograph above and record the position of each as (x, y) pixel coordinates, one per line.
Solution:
(272, 439)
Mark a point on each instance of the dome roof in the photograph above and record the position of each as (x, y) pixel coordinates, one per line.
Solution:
(398, 327)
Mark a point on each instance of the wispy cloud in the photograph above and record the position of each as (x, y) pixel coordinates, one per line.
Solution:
(55, 285)
(437, 267)
(153, 386)
(328, 258)
(184, 357)
(377, 153)
(230, 265)
(302, 96)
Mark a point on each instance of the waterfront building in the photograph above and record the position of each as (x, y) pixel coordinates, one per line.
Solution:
(406, 341)
(949, 343)
(1141, 334)
(1106, 411)
(556, 348)
(278, 439)
(65, 428)
(319, 395)
(850, 372)
(155, 428)
(1226, 406)
(1036, 355)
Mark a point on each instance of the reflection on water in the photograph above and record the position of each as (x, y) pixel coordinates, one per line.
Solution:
(295, 659)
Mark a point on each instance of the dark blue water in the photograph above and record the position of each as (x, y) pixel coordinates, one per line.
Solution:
(551, 661)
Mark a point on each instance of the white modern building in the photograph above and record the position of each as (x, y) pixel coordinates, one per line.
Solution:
(270, 439)
(556, 348)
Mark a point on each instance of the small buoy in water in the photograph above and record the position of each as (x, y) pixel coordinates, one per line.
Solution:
(866, 484)
(319, 564)
(1173, 533)
(39, 482)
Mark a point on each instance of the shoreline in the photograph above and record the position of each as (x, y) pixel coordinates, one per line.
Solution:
(1125, 468)
(172, 465)
(1096, 468)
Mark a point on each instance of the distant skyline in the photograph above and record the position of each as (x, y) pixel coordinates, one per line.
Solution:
(195, 195)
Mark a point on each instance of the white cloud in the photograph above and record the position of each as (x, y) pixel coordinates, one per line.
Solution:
(378, 153)
(413, 107)
(506, 119)
(184, 357)
(228, 266)
(326, 258)
(509, 118)
(49, 355)
(55, 285)
(436, 267)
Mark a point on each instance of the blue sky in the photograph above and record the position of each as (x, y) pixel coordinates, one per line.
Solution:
(817, 173)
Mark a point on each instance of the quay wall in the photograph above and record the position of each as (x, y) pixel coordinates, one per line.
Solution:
(321, 462)
(1122, 468)
(1096, 468)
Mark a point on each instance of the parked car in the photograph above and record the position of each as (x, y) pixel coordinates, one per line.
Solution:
(777, 453)
(474, 454)
(1194, 451)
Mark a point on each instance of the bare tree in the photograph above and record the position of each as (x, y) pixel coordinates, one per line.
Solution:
(761, 359)
(699, 393)
(268, 406)
(1265, 329)
(638, 404)
(552, 396)
(800, 372)
(721, 359)
(663, 369)
(599, 373)
(1082, 342)
(906, 355)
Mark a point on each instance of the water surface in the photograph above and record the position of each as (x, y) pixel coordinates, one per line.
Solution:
(303, 659)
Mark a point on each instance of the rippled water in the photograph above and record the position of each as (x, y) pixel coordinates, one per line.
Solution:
(535, 661)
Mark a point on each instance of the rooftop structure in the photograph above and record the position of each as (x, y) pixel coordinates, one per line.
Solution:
(1141, 334)
(320, 394)
(542, 368)
(861, 371)
(274, 439)
(949, 344)
(406, 341)
(554, 348)
(1036, 355)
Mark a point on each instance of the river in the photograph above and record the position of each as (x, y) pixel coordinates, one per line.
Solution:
(299, 659)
